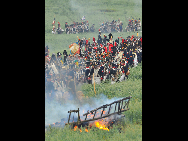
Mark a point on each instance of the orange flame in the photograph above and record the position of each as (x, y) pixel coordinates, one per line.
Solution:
(75, 127)
(100, 126)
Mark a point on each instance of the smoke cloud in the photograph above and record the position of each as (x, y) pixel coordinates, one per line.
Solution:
(55, 111)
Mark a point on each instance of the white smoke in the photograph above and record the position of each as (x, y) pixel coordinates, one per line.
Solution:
(55, 111)
(79, 8)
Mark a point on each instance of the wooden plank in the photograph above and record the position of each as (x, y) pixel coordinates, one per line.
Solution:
(105, 106)
(97, 118)
(73, 111)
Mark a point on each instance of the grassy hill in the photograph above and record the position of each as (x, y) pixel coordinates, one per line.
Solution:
(95, 12)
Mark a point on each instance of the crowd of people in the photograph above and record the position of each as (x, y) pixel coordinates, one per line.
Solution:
(114, 26)
(105, 27)
(133, 25)
(100, 61)
(75, 28)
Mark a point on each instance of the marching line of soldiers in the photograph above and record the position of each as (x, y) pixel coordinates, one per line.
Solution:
(102, 60)
(114, 26)
(77, 27)
(133, 25)
(74, 28)
(107, 27)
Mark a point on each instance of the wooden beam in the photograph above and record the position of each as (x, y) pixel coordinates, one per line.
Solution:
(97, 118)
(105, 106)
(73, 111)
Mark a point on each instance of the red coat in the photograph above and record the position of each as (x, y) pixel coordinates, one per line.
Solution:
(115, 44)
(105, 49)
(93, 39)
(132, 37)
(122, 41)
(110, 45)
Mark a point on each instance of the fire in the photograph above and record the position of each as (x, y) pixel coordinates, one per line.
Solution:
(75, 127)
(100, 126)
(104, 112)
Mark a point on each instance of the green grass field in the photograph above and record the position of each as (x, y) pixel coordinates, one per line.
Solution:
(95, 12)
(131, 126)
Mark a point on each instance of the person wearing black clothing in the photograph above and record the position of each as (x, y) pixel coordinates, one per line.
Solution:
(110, 35)
(114, 51)
(87, 71)
(59, 56)
(104, 39)
(65, 55)
(125, 52)
(139, 57)
(99, 41)
(127, 56)
(125, 68)
(131, 59)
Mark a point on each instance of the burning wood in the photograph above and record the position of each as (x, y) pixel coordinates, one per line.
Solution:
(102, 117)
(96, 118)
(100, 125)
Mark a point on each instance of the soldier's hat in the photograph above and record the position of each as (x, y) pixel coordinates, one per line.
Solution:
(58, 54)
